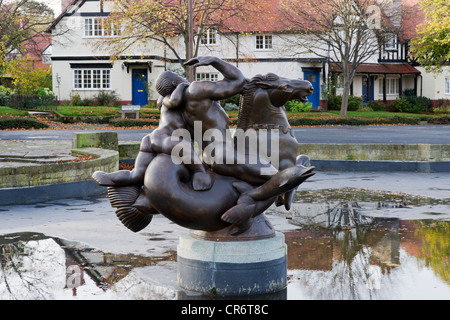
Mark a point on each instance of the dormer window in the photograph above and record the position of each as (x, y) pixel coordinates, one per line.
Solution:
(263, 42)
(391, 42)
(99, 27)
(209, 37)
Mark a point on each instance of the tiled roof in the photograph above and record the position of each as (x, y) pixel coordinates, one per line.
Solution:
(381, 68)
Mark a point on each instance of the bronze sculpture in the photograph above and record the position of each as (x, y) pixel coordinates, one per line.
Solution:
(224, 188)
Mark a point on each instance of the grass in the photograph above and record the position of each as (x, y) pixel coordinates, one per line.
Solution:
(71, 111)
(7, 111)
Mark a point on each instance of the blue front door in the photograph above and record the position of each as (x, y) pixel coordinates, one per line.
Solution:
(139, 87)
(314, 78)
(368, 88)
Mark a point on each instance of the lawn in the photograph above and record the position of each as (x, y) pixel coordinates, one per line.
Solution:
(7, 111)
(71, 111)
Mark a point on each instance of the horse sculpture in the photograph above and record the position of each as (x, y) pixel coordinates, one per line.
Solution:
(230, 204)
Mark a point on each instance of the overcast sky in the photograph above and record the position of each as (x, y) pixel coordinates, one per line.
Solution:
(54, 4)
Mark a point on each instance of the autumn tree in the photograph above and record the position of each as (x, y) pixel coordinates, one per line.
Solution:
(431, 47)
(166, 21)
(22, 24)
(345, 32)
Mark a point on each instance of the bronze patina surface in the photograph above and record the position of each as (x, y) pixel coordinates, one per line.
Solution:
(219, 195)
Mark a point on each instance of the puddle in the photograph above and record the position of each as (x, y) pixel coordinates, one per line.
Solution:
(386, 259)
(342, 244)
(367, 244)
(34, 266)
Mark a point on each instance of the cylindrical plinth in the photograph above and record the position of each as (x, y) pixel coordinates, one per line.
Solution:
(232, 268)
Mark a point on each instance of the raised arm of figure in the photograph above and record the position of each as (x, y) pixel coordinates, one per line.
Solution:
(174, 100)
(232, 83)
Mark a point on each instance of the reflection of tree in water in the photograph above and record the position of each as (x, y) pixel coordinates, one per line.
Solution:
(351, 254)
(24, 268)
(35, 266)
(435, 248)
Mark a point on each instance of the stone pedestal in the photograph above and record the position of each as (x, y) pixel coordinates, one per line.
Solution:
(232, 268)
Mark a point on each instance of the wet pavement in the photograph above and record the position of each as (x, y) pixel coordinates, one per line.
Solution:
(349, 236)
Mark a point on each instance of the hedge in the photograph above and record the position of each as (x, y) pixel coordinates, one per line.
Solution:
(349, 121)
(133, 123)
(21, 123)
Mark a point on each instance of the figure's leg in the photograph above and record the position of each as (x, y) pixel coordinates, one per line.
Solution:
(280, 183)
(184, 153)
(301, 161)
(126, 177)
(249, 168)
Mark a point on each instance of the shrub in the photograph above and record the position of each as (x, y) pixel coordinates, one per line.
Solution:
(5, 90)
(75, 99)
(234, 100)
(401, 105)
(230, 106)
(21, 123)
(441, 110)
(354, 103)
(351, 121)
(365, 109)
(298, 106)
(4, 99)
(411, 104)
(133, 123)
(409, 93)
(107, 98)
(376, 106)
(334, 102)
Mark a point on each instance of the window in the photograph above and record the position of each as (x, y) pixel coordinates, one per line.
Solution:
(98, 27)
(392, 86)
(263, 42)
(206, 76)
(209, 37)
(91, 79)
(340, 81)
(447, 85)
(391, 42)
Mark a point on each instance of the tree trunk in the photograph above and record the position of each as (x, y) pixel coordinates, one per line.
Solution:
(345, 95)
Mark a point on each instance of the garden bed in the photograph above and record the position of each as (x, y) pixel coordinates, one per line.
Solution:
(149, 118)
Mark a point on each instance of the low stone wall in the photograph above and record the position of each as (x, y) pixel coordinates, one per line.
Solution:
(29, 175)
(376, 152)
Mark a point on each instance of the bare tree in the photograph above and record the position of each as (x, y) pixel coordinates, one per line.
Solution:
(165, 21)
(345, 32)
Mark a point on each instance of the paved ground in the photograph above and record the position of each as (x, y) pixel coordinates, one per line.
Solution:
(425, 134)
(92, 223)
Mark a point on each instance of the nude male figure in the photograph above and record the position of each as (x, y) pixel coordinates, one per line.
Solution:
(200, 102)
(160, 141)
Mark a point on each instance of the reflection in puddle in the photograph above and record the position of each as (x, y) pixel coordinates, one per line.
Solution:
(348, 249)
(35, 266)
(347, 245)
(388, 259)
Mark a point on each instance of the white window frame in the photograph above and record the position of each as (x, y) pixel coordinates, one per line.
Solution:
(447, 85)
(206, 76)
(209, 37)
(391, 42)
(392, 86)
(94, 28)
(263, 42)
(91, 79)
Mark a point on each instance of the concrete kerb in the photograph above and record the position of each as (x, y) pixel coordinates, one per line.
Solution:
(25, 183)
(424, 158)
